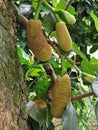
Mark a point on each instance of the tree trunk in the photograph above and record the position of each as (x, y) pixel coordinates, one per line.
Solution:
(13, 95)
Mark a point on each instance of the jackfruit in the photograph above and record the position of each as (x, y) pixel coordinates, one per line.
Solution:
(63, 37)
(61, 95)
(66, 16)
(37, 41)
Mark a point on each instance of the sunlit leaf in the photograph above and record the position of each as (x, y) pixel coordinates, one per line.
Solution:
(55, 2)
(71, 10)
(61, 4)
(87, 67)
(95, 18)
(95, 86)
(77, 50)
(93, 60)
(70, 118)
(94, 63)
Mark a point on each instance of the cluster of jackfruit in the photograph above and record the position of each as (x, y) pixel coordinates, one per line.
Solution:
(38, 43)
(61, 95)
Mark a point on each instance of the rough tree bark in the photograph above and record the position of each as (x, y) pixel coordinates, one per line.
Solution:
(12, 88)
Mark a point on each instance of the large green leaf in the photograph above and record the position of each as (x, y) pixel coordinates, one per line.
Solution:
(41, 88)
(70, 118)
(61, 4)
(71, 10)
(55, 2)
(87, 67)
(94, 63)
(95, 18)
(77, 50)
(48, 22)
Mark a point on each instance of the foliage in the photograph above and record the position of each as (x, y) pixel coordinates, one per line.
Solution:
(84, 35)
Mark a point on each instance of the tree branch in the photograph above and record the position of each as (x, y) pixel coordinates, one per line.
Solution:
(68, 4)
(22, 20)
(82, 96)
(49, 70)
(54, 45)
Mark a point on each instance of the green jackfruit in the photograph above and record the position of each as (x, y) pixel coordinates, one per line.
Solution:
(63, 37)
(66, 16)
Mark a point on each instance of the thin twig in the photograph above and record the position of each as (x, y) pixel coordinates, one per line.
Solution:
(22, 20)
(82, 96)
(68, 4)
(54, 45)
(49, 70)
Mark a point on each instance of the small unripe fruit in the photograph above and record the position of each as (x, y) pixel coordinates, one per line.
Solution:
(37, 41)
(63, 37)
(61, 95)
(66, 16)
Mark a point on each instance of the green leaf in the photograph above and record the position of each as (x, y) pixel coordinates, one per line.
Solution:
(93, 60)
(35, 72)
(23, 56)
(34, 4)
(94, 48)
(71, 10)
(61, 4)
(55, 2)
(77, 50)
(87, 67)
(41, 88)
(48, 22)
(95, 18)
(70, 118)
(94, 63)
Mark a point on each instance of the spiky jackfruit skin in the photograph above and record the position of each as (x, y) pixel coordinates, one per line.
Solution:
(61, 95)
(63, 37)
(37, 41)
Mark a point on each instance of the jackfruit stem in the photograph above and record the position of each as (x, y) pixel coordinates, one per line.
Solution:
(52, 10)
(38, 10)
(48, 6)
(57, 18)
